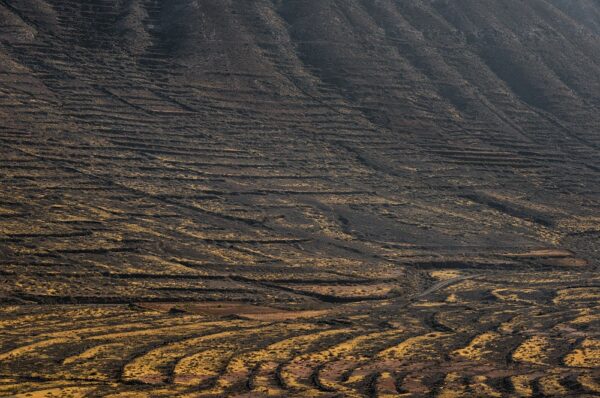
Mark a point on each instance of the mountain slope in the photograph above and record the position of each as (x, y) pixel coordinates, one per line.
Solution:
(371, 160)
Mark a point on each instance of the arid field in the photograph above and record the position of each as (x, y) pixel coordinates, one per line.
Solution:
(299, 198)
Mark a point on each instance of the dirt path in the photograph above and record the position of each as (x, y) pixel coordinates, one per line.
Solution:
(442, 285)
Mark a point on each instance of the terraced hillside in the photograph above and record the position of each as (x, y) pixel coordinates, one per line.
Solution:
(310, 198)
